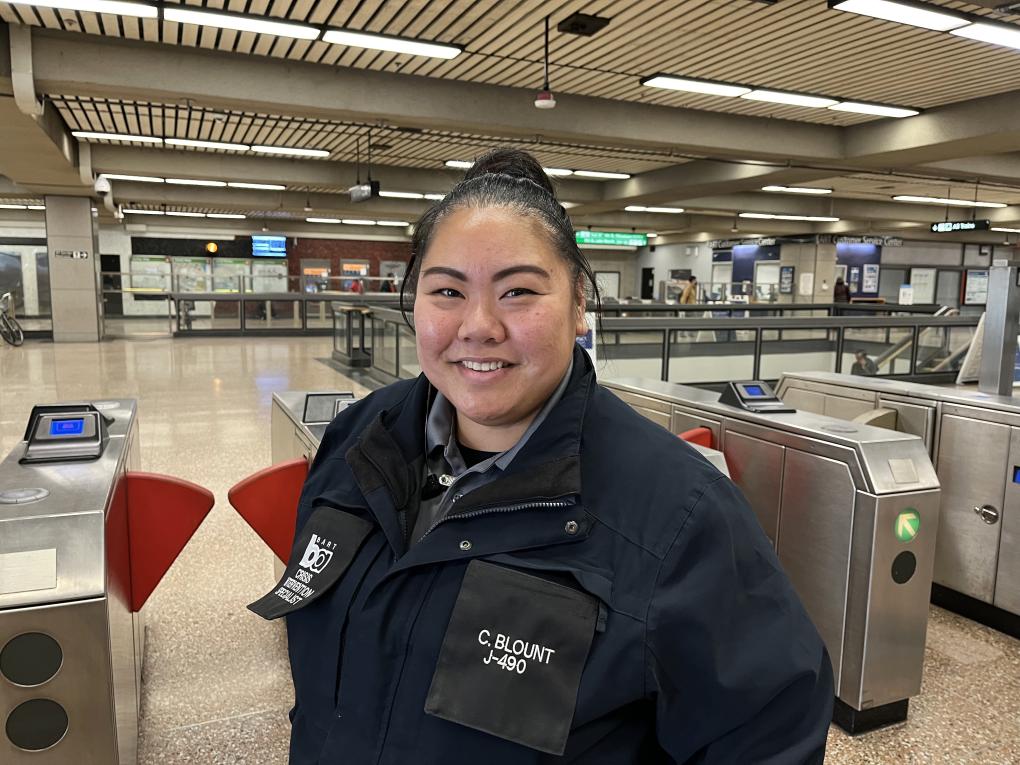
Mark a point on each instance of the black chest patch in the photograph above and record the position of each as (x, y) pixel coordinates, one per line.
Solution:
(322, 552)
(512, 658)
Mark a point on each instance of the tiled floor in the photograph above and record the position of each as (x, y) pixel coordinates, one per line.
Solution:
(217, 687)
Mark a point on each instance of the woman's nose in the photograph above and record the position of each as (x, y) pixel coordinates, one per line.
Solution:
(481, 323)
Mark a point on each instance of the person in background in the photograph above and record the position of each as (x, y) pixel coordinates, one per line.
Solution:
(690, 293)
(356, 286)
(501, 562)
(863, 365)
(840, 292)
(387, 286)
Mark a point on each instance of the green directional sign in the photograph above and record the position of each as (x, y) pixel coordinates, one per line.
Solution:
(611, 238)
(907, 525)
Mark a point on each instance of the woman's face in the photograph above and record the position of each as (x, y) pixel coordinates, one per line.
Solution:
(496, 314)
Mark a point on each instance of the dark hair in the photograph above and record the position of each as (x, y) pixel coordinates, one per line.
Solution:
(510, 179)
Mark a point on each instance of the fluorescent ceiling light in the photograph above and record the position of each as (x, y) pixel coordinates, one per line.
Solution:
(37, 207)
(228, 216)
(859, 107)
(642, 208)
(915, 15)
(322, 220)
(265, 186)
(192, 182)
(358, 222)
(771, 216)
(391, 44)
(13, 207)
(796, 189)
(133, 178)
(89, 135)
(651, 235)
(1006, 230)
(402, 194)
(112, 7)
(568, 205)
(392, 223)
(996, 34)
(459, 164)
(206, 144)
(600, 174)
(240, 23)
(187, 214)
(694, 86)
(434, 196)
(290, 151)
(557, 172)
(790, 99)
(945, 201)
(144, 212)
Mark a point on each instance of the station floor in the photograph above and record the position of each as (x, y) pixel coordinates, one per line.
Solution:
(217, 686)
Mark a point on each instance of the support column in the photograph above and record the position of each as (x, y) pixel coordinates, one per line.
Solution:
(1002, 322)
(71, 245)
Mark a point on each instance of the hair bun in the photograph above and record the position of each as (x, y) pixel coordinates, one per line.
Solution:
(512, 162)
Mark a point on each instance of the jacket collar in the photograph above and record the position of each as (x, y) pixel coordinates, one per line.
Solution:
(391, 450)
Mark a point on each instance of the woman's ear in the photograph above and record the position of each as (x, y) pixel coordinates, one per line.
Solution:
(580, 307)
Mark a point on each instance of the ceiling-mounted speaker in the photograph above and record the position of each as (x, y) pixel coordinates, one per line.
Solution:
(582, 24)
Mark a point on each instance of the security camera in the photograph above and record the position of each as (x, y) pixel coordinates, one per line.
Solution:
(102, 186)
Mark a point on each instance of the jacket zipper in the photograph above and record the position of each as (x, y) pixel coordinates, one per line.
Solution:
(494, 510)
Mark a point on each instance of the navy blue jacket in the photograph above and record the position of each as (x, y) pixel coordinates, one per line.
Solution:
(610, 600)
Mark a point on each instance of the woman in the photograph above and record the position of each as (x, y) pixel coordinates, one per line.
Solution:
(840, 292)
(501, 563)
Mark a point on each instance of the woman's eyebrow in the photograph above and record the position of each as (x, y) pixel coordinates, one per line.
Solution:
(522, 269)
(502, 274)
(444, 270)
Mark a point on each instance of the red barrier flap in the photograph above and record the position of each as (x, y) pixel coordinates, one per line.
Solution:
(163, 513)
(699, 436)
(268, 501)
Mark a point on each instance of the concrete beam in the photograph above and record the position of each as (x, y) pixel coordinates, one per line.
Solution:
(169, 163)
(74, 64)
(981, 126)
(673, 185)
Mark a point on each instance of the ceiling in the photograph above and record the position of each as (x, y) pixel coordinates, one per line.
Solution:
(708, 154)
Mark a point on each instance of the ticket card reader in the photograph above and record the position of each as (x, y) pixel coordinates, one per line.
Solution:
(754, 396)
(64, 433)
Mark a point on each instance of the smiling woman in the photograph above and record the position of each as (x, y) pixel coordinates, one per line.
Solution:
(522, 570)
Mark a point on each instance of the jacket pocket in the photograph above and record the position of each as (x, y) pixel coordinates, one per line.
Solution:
(322, 552)
(512, 657)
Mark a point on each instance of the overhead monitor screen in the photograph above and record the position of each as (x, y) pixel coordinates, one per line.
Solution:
(269, 246)
(73, 427)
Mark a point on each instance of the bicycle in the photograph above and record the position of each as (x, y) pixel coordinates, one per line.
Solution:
(10, 330)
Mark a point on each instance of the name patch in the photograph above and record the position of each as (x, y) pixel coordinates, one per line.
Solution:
(514, 642)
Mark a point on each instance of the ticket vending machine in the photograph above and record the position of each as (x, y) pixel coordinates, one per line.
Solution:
(84, 540)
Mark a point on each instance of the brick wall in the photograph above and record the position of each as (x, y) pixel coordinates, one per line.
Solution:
(336, 250)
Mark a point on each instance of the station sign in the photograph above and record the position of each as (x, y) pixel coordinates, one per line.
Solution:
(949, 226)
(611, 238)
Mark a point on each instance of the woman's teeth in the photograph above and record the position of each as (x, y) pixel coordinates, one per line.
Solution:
(484, 366)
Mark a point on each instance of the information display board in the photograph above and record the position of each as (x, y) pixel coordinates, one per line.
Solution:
(611, 238)
(923, 282)
(869, 284)
(150, 273)
(786, 280)
(975, 286)
(230, 274)
(269, 277)
(192, 274)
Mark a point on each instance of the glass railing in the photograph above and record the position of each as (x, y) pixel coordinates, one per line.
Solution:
(709, 350)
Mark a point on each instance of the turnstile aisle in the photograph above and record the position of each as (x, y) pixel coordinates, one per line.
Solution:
(852, 511)
(84, 540)
(974, 441)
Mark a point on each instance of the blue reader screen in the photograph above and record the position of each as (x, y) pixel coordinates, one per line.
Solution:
(67, 427)
(1016, 474)
(754, 390)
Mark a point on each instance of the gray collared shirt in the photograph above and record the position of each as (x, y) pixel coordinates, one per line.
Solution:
(443, 458)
